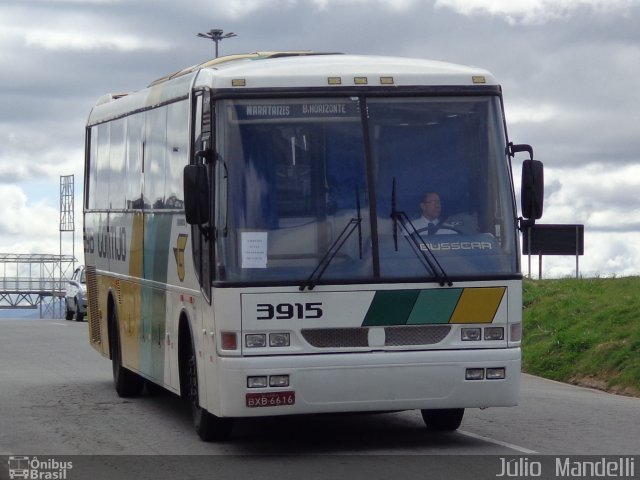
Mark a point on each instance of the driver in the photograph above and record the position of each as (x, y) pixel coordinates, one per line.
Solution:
(430, 223)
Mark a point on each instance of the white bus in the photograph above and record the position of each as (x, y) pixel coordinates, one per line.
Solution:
(254, 238)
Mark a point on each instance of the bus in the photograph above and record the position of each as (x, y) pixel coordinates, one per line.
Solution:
(253, 239)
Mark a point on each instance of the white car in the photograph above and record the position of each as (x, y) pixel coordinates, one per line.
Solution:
(76, 297)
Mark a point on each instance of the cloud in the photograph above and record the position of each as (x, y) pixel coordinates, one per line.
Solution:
(73, 26)
(240, 9)
(568, 69)
(33, 226)
(82, 40)
(27, 155)
(531, 12)
(397, 5)
(19, 218)
(604, 198)
(531, 112)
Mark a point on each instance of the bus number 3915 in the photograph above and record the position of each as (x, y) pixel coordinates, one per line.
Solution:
(288, 311)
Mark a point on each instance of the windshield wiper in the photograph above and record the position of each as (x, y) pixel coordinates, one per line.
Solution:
(417, 243)
(336, 245)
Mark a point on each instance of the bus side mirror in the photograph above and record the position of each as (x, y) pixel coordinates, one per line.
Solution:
(532, 189)
(196, 194)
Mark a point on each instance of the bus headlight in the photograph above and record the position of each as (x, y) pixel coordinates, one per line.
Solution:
(255, 340)
(279, 340)
(471, 334)
(494, 333)
(279, 380)
(496, 373)
(257, 382)
(474, 374)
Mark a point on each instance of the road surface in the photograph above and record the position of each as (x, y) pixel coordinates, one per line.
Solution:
(57, 399)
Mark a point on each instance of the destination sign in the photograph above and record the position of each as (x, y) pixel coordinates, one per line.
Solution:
(263, 111)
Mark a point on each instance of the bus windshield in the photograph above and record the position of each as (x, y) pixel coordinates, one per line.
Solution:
(347, 181)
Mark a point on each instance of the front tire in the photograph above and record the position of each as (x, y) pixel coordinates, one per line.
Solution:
(127, 383)
(445, 420)
(68, 312)
(79, 315)
(208, 426)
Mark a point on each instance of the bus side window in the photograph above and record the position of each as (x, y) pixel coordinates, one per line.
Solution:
(133, 179)
(177, 142)
(154, 158)
(117, 164)
(101, 195)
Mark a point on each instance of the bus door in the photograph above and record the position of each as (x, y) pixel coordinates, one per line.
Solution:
(201, 144)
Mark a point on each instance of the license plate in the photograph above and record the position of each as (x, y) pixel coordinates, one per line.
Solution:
(270, 399)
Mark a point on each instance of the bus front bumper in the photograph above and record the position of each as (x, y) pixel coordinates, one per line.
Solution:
(365, 382)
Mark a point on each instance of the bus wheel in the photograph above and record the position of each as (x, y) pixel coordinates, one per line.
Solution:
(208, 426)
(127, 383)
(443, 420)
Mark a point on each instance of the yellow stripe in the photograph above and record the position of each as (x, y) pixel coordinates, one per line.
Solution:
(131, 296)
(478, 305)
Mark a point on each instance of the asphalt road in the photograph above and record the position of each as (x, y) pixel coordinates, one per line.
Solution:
(57, 399)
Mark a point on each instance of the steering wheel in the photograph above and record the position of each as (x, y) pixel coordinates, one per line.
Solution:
(435, 229)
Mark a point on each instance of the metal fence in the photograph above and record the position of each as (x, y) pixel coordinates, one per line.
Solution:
(33, 281)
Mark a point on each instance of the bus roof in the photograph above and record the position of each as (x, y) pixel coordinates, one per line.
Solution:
(264, 70)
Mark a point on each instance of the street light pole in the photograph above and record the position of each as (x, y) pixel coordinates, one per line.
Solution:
(216, 35)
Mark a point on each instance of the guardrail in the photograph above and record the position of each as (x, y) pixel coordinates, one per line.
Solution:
(32, 280)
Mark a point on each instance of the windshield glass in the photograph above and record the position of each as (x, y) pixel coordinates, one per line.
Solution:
(295, 181)
(290, 180)
(447, 159)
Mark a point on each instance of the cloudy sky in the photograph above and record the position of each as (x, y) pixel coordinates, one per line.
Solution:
(570, 71)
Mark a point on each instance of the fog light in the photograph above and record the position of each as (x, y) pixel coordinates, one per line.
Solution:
(471, 334)
(474, 374)
(255, 340)
(229, 341)
(494, 333)
(256, 382)
(279, 381)
(495, 373)
(279, 340)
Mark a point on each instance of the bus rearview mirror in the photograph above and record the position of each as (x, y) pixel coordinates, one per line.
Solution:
(532, 189)
(196, 194)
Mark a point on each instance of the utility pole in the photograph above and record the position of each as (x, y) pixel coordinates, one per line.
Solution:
(216, 35)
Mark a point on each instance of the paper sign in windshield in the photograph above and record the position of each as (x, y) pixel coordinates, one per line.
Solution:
(254, 249)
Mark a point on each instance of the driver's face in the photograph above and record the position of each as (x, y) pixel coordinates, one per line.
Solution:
(431, 206)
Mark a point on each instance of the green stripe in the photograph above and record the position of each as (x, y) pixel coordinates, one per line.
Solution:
(390, 307)
(157, 233)
(434, 306)
(153, 304)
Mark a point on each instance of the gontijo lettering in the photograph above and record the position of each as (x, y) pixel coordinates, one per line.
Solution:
(110, 243)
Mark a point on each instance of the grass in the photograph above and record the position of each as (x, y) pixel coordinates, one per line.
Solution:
(584, 331)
